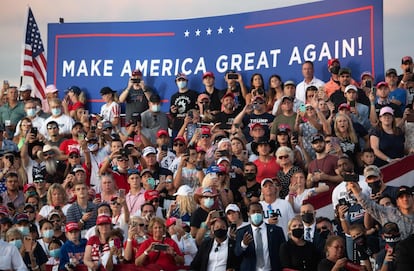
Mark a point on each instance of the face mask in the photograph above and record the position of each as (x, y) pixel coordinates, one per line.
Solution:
(298, 233)
(31, 112)
(93, 147)
(181, 84)
(151, 183)
(56, 111)
(155, 108)
(220, 233)
(38, 108)
(55, 253)
(324, 234)
(308, 218)
(48, 233)
(375, 187)
(24, 230)
(17, 243)
(256, 218)
(208, 202)
(140, 239)
(335, 69)
(250, 176)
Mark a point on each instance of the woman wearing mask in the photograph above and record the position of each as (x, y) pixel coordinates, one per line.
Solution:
(217, 252)
(205, 197)
(297, 253)
(32, 253)
(46, 233)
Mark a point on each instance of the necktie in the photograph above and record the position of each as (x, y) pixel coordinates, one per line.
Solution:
(308, 235)
(259, 248)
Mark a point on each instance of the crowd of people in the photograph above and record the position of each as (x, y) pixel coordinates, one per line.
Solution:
(222, 181)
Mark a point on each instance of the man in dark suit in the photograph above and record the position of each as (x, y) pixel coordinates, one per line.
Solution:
(307, 213)
(258, 244)
(216, 252)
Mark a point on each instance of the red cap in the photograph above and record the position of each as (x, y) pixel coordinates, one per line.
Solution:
(4, 211)
(74, 150)
(344, 106)
(27, 186)
(71, 226)
(382, 84)
(203, 96)
(180, 138)
(151, 194)
(255, 124)
(208, 74)
(170, 221)
(162, 132)
(103, 219)
(205, 130)
(406, 59)
(258, 97)
(137, 73)
(228, 94)
(332, 61)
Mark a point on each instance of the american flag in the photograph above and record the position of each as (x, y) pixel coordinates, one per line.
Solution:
(34, 60)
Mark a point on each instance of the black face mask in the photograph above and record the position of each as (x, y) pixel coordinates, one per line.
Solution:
(335, 69)
(375, 187)
(324, 234)
(250, 176)
(220, 233)
(308, 218)
(298, 233)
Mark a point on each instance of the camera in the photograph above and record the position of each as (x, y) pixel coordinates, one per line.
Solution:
(136, 80)
(160, 247)
(407, 69)
(260, 91)
(217, 214)
(190, 114)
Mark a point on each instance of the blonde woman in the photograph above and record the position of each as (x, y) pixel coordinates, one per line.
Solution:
(56, 202)
(111, 110)
(184, 205)
(348, 139)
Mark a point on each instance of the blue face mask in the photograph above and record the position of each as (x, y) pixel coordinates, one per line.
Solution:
(56, 111)
(31, 112)
(155, 108)
(256, 218)
(55, 253)
(17, 243)
(93, 147)
(151, 182)
(181, 84)
(24, 230)
(208, 202)
(48, 233)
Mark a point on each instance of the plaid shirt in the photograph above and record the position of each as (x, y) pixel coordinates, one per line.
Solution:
(75, 213)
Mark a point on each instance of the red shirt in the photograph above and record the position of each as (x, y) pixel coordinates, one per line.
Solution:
(164, 260)
(68, 145)
(75, 106)
(97, 248)
(121, 180)
(266, 170)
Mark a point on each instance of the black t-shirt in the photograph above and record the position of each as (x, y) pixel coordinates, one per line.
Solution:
(239, 99)
(226, 120)
(198, 217)
(338, 98)
(39, 254)
(299, 257)
(215, 99)
(184, 102)
(265, 119)
(327, 265)
(136, 102)
(397, 111)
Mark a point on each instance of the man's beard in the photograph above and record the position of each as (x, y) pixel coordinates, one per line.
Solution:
(50, 166)
(320, 150)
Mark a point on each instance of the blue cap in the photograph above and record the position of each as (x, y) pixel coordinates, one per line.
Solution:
(213, 169)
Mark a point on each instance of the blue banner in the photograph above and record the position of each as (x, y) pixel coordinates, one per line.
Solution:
(278, 41)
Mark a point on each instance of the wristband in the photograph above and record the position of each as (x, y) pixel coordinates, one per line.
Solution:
(129, 240)
(203, 225)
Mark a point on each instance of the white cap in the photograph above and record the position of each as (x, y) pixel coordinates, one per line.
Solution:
(232, 207)
(184, 190)
(349, 87)
(148, 150)
(221, 159)
(25, 87)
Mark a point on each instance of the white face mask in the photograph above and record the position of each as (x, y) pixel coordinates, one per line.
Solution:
(181, 84)
(155, 108)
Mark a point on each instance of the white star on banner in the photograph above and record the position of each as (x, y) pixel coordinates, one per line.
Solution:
(197, 32)
(209, 31)
(220, 30)
(186, 33)
(231, 29)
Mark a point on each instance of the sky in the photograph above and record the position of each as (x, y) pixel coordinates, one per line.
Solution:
(398, 38)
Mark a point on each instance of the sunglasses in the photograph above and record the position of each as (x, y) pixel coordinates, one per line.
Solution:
(74, 156)
(327, 141)
(178, 144)
(283, 157)
(123, 159)
(205, 136)
(115, 203)
(258, 103)
(168, 181)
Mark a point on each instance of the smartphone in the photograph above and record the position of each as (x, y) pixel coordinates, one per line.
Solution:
(302, 108)
(115, 243)
(34, 131)
(236, 125)
(137, 138)
(164, 147)
(353, 178)
(368, 84)
(136, 80)
(217, 214)
(352, 103)
(178, 222)
(160, 247)
(407, 69)
(343, 201)
(233, 227)
(5, 82)
(190, 114)
(81, 136)
(28, 242)
(121, 193)
(57, 207)
(335, 141)
(374, 91)
(410, 117)
(86, 112)
(232, 76)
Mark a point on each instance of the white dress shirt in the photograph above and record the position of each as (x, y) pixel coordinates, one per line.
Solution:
(263, 231)
(217, 260)
(10, 258)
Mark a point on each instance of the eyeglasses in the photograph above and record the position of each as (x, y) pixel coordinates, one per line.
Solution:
(178, 144)
(74, 156)
(123, 159)
(283, 157)
(139, 225)
(52, 127)
(205, 136)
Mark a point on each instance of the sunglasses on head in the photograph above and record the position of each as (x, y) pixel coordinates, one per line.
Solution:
(55, 221)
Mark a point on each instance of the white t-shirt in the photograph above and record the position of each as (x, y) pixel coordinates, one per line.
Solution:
(340, 191)
(283, 209)
(302, 86)
(45, 211)
(64, 122)
(110, 111)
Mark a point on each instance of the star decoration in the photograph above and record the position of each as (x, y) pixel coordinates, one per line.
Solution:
(197, 32)
(231, 29)
(186, 33)
(209, 31)
(220, 30)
